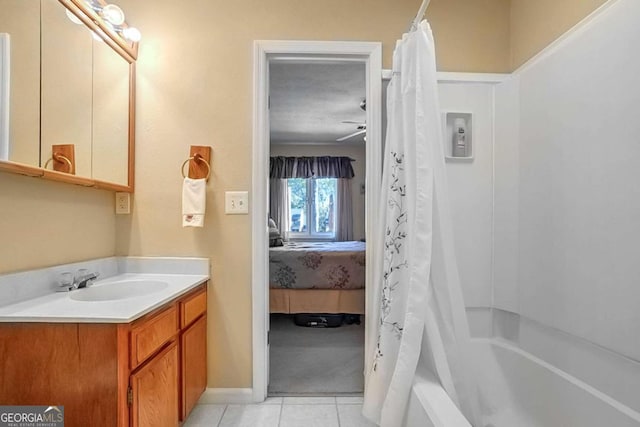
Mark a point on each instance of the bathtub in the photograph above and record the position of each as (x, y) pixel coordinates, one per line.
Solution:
(517, 389)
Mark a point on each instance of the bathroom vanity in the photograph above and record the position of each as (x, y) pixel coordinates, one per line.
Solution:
(136, 358)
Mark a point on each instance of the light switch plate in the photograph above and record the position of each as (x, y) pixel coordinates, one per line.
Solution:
(123, 203)
(236, 202)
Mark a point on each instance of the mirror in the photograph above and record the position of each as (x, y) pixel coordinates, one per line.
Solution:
(66, 65)
(20, 91)
(70, 92)
(110, 115)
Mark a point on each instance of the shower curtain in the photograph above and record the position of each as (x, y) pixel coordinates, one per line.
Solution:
(419, 312)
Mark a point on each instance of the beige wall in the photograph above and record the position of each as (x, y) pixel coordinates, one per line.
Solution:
(535, 24)
(45, 223)
(356, 152)
(470, 35)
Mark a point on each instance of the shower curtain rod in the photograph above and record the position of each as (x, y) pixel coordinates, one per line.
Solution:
(420, 15)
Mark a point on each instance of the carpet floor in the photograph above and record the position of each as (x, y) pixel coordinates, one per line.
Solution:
(315, 360)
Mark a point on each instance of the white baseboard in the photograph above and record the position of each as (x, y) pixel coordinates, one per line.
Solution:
(227, 395)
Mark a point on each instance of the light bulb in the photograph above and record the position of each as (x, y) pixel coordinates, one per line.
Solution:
(73, 18)
(113, 14)
(132, 34)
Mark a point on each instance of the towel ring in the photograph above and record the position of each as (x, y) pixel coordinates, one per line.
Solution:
(196, 158)
(60, 158)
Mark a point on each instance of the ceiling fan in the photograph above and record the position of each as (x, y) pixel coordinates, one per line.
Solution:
(360, 126)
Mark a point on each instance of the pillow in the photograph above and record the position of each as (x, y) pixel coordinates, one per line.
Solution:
(274, 233)
(275, 239)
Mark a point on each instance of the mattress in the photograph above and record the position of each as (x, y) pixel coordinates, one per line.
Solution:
(317, 265)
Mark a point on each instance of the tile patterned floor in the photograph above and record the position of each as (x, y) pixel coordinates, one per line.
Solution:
(339, 411)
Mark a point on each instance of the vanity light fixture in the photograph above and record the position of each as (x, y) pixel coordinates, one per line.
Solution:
(132, 34)
(113, 14)
(113, 17)
(107, 22)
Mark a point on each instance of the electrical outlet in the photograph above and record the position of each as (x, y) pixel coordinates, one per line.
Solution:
(123, 203)
(236, 202)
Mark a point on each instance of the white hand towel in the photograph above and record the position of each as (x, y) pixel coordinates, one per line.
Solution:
(194, 193)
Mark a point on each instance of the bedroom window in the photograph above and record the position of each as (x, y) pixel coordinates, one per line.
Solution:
(312, 207)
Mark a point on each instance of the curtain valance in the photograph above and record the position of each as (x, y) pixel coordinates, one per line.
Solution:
(307, 167)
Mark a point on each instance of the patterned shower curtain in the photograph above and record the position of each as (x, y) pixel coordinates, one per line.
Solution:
(417, 288)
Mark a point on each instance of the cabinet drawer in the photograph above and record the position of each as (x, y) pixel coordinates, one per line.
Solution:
(192, 307)
(149, 335)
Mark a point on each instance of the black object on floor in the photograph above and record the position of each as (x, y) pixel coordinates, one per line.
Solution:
(351, 319)
(313, 320)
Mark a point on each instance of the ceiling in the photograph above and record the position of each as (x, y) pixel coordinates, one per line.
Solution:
(309, 101)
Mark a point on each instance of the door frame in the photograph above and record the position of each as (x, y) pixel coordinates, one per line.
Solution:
(370, 53)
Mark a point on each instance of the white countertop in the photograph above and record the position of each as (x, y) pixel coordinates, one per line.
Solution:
(59, 307)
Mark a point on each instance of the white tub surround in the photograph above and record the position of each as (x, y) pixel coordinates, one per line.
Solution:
(31, 296)
(611, 373)
(521, 390)
(607, 371)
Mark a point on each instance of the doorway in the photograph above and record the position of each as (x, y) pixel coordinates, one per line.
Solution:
(368, 55)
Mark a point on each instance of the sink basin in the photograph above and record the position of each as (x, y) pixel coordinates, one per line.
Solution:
(119, 290)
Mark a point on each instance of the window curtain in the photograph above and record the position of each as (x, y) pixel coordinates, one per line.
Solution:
(419, 310)
(282, 168)
(344, 226)
(279, 204)
(310, 167)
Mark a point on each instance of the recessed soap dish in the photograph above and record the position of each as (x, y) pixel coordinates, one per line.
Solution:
(458, 136)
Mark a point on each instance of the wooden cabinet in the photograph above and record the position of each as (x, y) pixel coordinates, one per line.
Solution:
(154, 390)
(148, 373)
(194, 364)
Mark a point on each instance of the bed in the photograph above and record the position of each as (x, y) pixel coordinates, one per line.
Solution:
(317, 277)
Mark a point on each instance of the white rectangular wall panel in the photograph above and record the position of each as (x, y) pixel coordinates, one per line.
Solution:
(579, 183)
(470, 190)
(506, 158)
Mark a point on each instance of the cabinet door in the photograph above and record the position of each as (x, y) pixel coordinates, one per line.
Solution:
(155, 391)
(194, 364)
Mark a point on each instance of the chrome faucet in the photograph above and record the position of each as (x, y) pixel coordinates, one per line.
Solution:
(84, 280)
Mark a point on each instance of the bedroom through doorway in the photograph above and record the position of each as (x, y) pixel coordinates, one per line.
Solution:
(317, 239)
